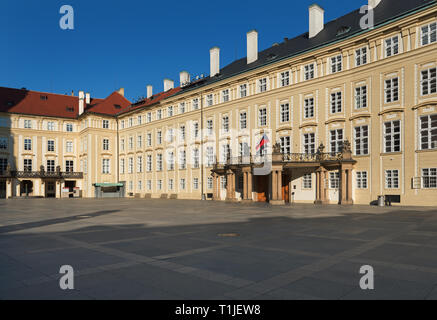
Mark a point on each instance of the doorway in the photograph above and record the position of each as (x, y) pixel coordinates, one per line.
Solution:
(2, 189)
(70, 185)
(286, 188)
(26, 188)
(50, 189)
(262, 188)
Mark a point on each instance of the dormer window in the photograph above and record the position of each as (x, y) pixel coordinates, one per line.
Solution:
(43, 97)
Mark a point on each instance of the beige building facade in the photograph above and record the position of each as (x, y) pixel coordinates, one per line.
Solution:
(339, 115)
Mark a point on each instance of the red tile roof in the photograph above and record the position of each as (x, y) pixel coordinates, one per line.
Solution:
(23, 101)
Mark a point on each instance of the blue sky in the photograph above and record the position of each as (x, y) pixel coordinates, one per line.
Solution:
(133, 43)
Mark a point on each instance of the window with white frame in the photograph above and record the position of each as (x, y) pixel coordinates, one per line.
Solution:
(139, 120)
(170, 162)
(361, 140)
(209, 100)
(361, 179)
(131, 185)
(149, 163)
(182, 184)
(243, 149)
(196, 129)
(285, 145)
(428, 132)
(50, 166)
(131, 143)
(361, 97)
(122, 166)
(428, 33)
(392, 136)
(139, 164)
(195, 104)
(225, 124)
(121, 124)
(139, 141)
(50, 145)
(159, 137)
(170, 184)
(262, 117)
(225, 95)
(182, 107)
(262, 85)
(149, 139)
(140, 185)
(159, 114)
(149, 185)
(27, 124)
(159, 184)
(391, 179)
(361, 56)
(226, 152)
(307, 181)
(243, 90)
(429, 178)
(182, 159)
(209, 127)
(223, 182)
(195, 183)
(27, 165)
(334, 180)
(159, 162)
(105, 124)
(170, 111)
(69, 146)
(149, 117)
(27, 144)
(243, 120)
(69, 166)
(284, 78)
(209, 156)
(309, 143)
(285, 112)
(309, 71)
(391, 46)
(106, 144)
(336, 140)
(50, 126)
(69, 127)
(428, 81)
(308, 108)
(106, 166)
(131, 122)
(209, 183)
(336, 102)
(336, 63)
(170, 135)
(182, 133)
(391, 90)
(196, 158)
(130, 168)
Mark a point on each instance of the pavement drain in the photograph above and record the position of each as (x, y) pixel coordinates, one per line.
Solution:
(228, 234)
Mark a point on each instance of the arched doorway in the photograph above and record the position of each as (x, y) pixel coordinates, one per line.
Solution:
(26, 188)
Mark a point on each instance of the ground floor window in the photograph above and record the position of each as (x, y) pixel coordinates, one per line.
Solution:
(170, 184)
(223, 182)
(182, 184)
(362, 180)
(196, 183)
(159, 184)
(209, 183)
(391, 179)
(140, 185)
(334, 180)
(307, 181)
(3, 164)
(429, 178)
(149, 185)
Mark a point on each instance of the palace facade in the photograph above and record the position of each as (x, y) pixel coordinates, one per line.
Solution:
(341, 114)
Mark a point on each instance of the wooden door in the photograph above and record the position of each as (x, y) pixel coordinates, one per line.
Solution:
(262, 188)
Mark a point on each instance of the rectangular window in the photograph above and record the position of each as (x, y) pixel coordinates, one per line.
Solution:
(195, 183)
(50, 166)
(3, 164)
(243, 120)
(50, 145)
(122, 124)
(149, 139)
(262, 85)
(27, 165)
(243, 150)
(182, 133)
(196, 130)
(285, 145)
(182, 184)
(285, 78)
(149, 185)
(69, 127)
(130, 168)
(69, 166)
(209, 183)
(149, 163)
(285, 112)
(182, 160)
(391, 46)
(106, 144)
(307, 181)
(429, 33)
(361, 56)
(223, 182)
(225, 95)
(131, 122)
(262, 117)
(27, 124)
(170, 135)
(27, 144)
(140, 185)
(334, 180)
(361, 179)
(159, 137)
(209, 100)
(225, 124)
(336, 63)
(361, 140)
(428, 132)
(391, 179)
(122, 168)
(226, 152)
(243, 90)
(159, 185)
(210, 156)
(170, 184)
(392, 136)
(195, 104)
(105, 124)
(309, 72)
(428, 82)
(159, 162)
(69, 147)
(139, 120)
(308, 108)
(336, 102)
(170, 162)
(50, 126)
(429, 178)
(131, 143)
(139, 142)
(336, 140)
(391, 90)
(149, 117)
(309, 143)
(361, 97)
(159, 114)
(139, 164)
(170, 111)
(196, 158)
(182, 107)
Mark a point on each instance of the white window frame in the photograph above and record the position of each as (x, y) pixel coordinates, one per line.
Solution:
(428, 81)
(361, 138)
(392, 46)
(427, 132)
(392, 138)
(430, 34)
(336, 63)
(284, 112)
(392, 179)
(391, 90)
(361, 180)
(361, 56)
(308, 108)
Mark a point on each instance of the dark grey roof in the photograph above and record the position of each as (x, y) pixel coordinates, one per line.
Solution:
(333, 31)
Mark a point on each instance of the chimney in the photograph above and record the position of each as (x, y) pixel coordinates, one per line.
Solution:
(121, 91)
(87, 98)
(81, 102)
(252, 46)
(72, 93)
(149, 91)
(184, 78)
(374, 3)
(316, 14)
(168, 84)
(214, 55)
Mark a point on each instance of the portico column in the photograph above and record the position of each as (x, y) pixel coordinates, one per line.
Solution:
(346, 184)
(323, 174)
(230, 188)
(214, 186)
(277, 187)
(249, 185)
(9, 184)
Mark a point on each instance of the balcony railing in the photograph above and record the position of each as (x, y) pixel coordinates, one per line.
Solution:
(312, 157)
(41, 174)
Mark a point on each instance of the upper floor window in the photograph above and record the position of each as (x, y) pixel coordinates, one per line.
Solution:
(196, 129)
(182, 133)
(209, 156)
(309, 143)
(309, 71)
(159, 114)
(122, 144)
(131, 143)
(105, 124)
(392, 136)
(50, 126)
(28, 124)
(131, 122)
(69, 146)
(285, 112)
(27, 165)
(361, 140)
(336, 64)
(3, 143)
(361, 56)
(170, 160)
(209, 100)
(308, 108)
(428, 132)
(106, 144)
(243, 90)
(336, 102)
(428, 83)
(285, 145)
(170, 135)
(3, 164)
(139, 120)
(225, 95)
(27, 144)
(336, 140)
(149, 139)
(106, 166)
(262, 117)
(50, 145)
(195, 104)
(285, 78)
(122, 124)
(69, 127)
(170, 111)
(159, 137)
(429, 33)
(149, 117)
(50, 166)
(182, 159)
(391, 46)
(139, 141)
(225, 124)
(159, 162)
(391, 90)
(262, 85)
(182, 108)
(361, 97)
(243, 120)
(209, 126)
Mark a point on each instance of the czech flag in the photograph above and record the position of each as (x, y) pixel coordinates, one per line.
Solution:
(263, 142)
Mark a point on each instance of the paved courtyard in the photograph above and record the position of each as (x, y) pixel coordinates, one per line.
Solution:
(176, 249)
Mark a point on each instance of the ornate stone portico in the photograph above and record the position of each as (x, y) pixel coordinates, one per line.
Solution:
(273, 186)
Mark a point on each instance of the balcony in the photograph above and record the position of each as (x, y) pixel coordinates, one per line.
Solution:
(58, 175)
